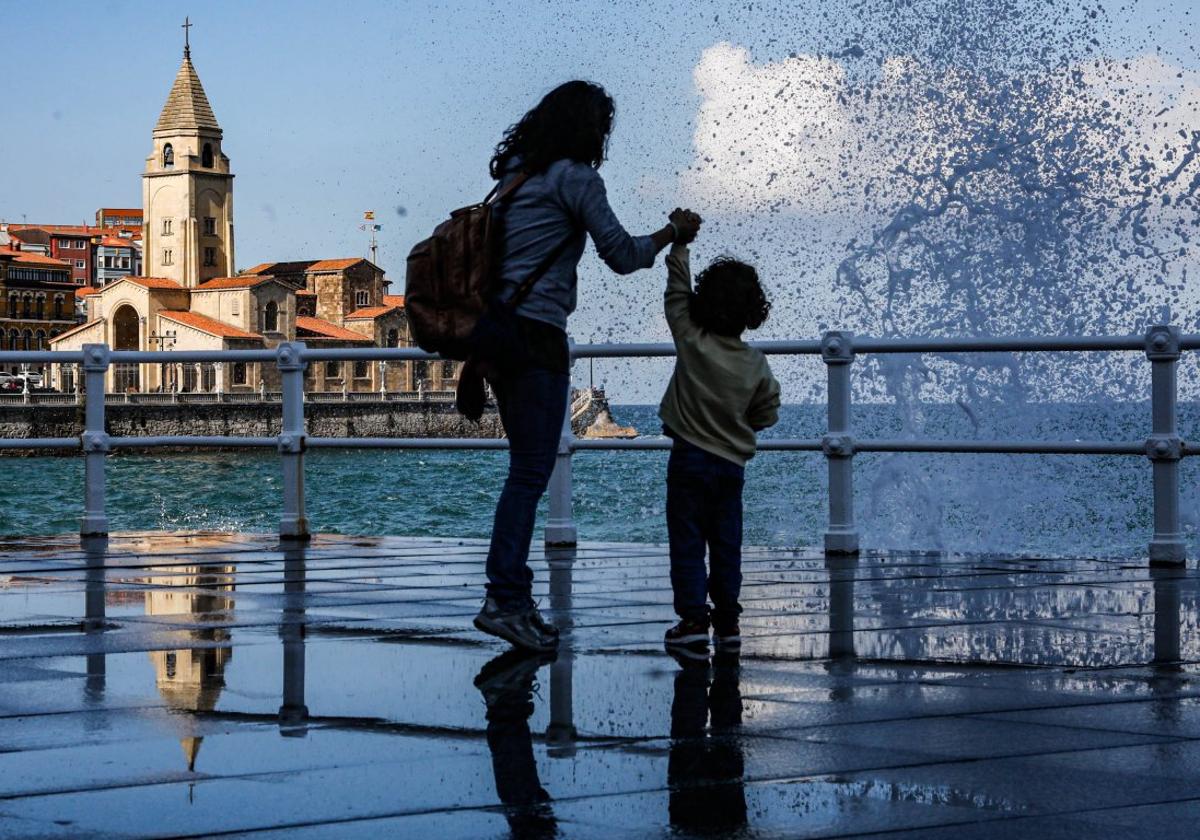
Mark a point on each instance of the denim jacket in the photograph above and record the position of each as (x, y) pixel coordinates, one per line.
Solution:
(567, 199)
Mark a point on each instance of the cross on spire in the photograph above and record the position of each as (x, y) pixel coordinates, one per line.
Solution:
(187, 48)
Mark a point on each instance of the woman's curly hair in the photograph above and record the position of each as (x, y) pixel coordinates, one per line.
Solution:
(728, 298)
(573, 121)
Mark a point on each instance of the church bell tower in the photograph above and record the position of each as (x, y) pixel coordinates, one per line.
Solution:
(187, 188)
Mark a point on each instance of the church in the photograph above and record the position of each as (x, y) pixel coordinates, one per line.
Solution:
(192, 298)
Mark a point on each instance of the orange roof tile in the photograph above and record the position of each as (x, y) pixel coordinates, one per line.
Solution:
(116, 242)
(261, 268)
(370, 313)
(324, 329)
(86, 291)
(334, 265)
(393, 300)
(243, 282)
(153, 282)
(30, 258)
(206, 324)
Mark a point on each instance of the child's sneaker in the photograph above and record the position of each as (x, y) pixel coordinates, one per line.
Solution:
(687, 633)
(726, 632)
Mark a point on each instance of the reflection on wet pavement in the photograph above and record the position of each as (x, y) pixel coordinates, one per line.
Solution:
(338, 690)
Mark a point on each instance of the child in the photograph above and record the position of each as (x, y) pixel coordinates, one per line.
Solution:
(721, 393)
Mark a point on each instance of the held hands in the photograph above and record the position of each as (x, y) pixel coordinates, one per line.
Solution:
(686, 224)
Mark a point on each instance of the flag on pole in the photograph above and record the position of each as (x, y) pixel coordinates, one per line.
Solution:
(369, 215)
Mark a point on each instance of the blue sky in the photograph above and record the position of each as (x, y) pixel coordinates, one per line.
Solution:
(331, 109)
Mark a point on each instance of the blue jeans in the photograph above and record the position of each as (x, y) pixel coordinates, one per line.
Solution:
(704, 511)
(532, 401)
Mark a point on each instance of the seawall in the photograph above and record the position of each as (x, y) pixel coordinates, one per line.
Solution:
(333, 419)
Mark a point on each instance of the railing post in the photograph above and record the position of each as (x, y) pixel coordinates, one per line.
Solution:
(841, 537)
(1164, 447)
(560, 526)
(94, 441)
(289, 357)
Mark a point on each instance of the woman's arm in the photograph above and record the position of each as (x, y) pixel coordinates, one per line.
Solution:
(584, 194)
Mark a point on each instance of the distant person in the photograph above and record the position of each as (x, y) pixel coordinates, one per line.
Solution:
(720, 396)
(557, 149)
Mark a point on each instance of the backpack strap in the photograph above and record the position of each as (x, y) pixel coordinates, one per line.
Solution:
(499, 193)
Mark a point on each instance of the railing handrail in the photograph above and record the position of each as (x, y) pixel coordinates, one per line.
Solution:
(838, 350)
(863, 345)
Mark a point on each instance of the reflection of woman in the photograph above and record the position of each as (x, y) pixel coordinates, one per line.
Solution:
(704, 772)
(506, 684)
(556, 149)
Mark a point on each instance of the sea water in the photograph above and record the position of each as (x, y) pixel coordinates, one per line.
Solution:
(1027, 504)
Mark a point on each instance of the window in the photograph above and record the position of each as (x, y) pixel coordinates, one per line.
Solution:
(210, 256)
(28, 306)
(168, 156)
(393, 338)
(124, 262)
(333, 370)
(271, 317)
(80, 244)
(239, 373)
(27, 338)
(41, 308)
(362, 298)
(58, 307)
(80, 264)
(210, 226)
(168, 257)
(447, 370)
(166, 227)
(206, 156)
(39, 340)
(361, 371)
(14, 303)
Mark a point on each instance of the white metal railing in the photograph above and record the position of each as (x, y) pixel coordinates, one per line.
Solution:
(1163, 447)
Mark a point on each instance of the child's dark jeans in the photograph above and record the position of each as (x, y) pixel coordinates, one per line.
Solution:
(704, 510)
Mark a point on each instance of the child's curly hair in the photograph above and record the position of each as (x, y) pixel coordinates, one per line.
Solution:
(728, 298)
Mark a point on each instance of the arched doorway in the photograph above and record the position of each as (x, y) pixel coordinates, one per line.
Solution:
(126, 377)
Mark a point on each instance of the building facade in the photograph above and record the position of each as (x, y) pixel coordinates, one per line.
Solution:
(188, 297)
(37, 302)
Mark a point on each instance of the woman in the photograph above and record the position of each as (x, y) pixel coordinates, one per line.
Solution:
(558, 147)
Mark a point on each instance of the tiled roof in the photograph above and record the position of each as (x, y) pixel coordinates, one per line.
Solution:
(187, 106)
(334, 265)
(370, 313)
(243, 282)
(116, 242)
(29, 258)
(205, 324)
(86, 291)
(393, 300)
(324, 329)
(65, 230)
(153, 282)
(261, 268)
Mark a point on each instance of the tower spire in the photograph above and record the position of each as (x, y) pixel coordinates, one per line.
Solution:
(187, 47)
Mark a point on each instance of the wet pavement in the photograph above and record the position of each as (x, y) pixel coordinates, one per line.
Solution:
(167, 685)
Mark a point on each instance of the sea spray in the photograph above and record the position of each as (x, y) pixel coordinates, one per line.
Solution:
(965, 168)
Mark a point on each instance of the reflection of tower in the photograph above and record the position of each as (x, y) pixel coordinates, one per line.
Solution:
(191, 679)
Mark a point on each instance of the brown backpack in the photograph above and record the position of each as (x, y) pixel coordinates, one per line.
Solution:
(451, 276)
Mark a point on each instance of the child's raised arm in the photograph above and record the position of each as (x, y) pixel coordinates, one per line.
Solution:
(679, 289)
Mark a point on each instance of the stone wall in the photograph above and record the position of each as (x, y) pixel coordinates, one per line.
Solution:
(249, 420)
